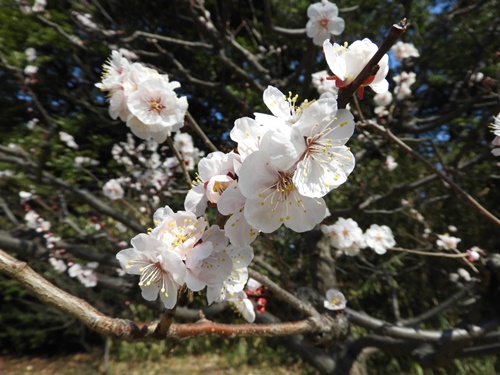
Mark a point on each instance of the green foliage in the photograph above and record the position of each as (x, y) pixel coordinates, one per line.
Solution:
(455, 39)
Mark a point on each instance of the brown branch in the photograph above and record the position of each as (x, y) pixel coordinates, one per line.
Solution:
(167, 39)
(124, 329)
(285, 296)
(200, 132)
(181, 161)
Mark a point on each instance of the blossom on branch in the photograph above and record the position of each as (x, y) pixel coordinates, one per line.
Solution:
(273, 199)
(143, 98)
(335, 300)
(216, 172)
(323, 21)
(322, 84)
(404, 50)
(379, 238)
(162, 270)
(346, 62)
(345, 235)
(308, 141)
(113, 189)
(447, 242)
(403, 82)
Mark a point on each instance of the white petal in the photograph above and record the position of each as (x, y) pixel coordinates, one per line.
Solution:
(170, 299)
(196, 200)
(239, 232)
(150, 292)
(284, 146)
(231, 200)
(276, 102)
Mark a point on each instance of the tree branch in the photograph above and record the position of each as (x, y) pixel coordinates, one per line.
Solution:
(139, 331)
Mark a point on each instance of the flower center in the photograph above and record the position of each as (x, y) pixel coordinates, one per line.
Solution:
(284, 185)
(335, 300)
(155, 105)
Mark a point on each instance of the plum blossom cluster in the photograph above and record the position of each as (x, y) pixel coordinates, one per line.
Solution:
(284, 165)
(348, 237)
(149, 174)
(84, 274)
(181, 250)
(242, 303)
(404, 80)
(402, 50)
(143, 98)
(323, 21)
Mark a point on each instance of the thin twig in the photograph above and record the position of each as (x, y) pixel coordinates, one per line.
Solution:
(200, 132)
(182, 163)
(389, 135)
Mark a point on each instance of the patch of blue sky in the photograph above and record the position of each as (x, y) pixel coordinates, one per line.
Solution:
(440, 6)
(23, 96)
(101, 99)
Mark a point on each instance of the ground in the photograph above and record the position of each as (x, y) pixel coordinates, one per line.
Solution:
(87, 364)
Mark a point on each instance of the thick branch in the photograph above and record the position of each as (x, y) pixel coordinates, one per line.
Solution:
(448, 335)
(138, 331)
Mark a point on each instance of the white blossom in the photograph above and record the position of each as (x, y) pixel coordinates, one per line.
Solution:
(390, 164)
(243, 305)
(113, 189)
(404, 50)
(323, 21)
(216, 173)
(161, 270)
(30, 70)
(58, 265)
(335, 300)
(156, 109)
(273, 200)
(447, 242)
(379, 238)
(31, 54)
(345, 235)
(39, 6)
(68, 139)
(308, 141)
(346, 62)
(322, 84)
(383, 99)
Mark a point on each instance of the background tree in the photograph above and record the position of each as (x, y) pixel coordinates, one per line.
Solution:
(225, 54)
